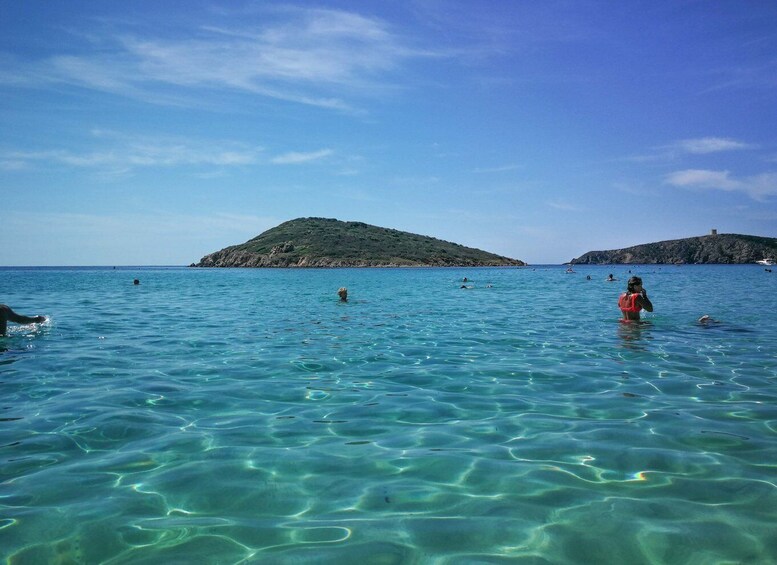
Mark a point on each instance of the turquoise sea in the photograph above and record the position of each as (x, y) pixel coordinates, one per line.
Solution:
(247, 416)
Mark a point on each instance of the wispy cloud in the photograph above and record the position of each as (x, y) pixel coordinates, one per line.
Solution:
(415, 182)
(11, 164)
(156, 223)
(563, 205)
(313, 57)
(693, 146)
(630, 187)
(758, 187)
(500, 169)
(758, 75)
(295, 158)
(124, 153)
(704, 145)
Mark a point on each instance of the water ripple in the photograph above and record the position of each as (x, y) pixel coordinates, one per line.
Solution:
(263, 421)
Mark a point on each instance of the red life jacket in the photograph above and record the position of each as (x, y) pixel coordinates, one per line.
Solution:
(628, 303)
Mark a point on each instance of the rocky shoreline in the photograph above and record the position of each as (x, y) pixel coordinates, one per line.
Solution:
(726, 249)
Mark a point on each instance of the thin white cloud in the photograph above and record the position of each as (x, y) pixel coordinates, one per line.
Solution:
(125, 153)
(693, 146)
(758, 187)
(704, 145)
(630, 187)
(295, 158)
(563, 205)
(11, 164)
(313, 57)
(752, 75)
(501, 169)
(415, 182)
(701, 178)
(158, 223)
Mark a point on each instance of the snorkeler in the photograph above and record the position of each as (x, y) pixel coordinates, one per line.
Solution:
(634, 300)
(7, 314)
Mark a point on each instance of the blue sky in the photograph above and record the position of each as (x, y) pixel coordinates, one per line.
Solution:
(153, 133)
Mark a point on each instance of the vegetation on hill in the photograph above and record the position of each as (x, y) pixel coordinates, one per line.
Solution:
(322, 242)
(708, 249)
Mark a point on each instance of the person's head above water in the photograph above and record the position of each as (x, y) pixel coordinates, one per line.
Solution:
(633, 283)
(634, 300)
(343, 294)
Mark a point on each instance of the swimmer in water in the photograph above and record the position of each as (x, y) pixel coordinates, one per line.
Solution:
(343, 294)
(6, 315)
(634, 300)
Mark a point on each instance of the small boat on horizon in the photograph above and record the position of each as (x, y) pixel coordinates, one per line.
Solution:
(767, 262)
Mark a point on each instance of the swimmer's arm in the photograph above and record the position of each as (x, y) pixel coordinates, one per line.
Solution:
(645, 302)
(19, 319)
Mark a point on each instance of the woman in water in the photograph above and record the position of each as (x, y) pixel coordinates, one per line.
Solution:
(634, 300)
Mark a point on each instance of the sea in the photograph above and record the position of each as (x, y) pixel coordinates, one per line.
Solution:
(248, 416)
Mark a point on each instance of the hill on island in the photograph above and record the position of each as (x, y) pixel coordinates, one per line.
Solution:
(323, 242)
(708, 249)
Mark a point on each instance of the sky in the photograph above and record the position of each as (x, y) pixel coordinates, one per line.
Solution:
(156, 132)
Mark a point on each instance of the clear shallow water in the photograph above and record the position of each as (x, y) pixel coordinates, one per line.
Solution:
(245, 416)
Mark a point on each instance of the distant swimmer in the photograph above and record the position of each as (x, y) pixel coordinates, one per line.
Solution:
(706, 319)
(610, 278)
(6, 315)
(634, 300)
(136, 281)
(570, 270)
(343, 294)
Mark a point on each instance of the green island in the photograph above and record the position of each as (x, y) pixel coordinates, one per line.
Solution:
(708, 249)
(324, 242)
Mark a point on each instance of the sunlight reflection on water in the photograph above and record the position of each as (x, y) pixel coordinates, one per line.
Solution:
(229, 415)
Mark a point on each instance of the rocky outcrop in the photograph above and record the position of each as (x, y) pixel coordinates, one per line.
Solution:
(321, 242)
(709, 249)
(239, 258)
